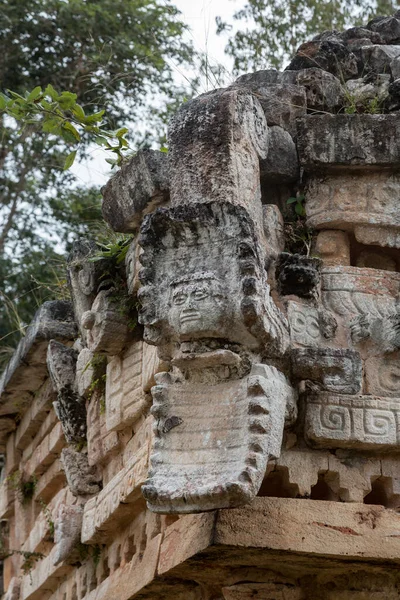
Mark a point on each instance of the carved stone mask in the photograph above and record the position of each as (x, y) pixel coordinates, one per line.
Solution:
(197, 305)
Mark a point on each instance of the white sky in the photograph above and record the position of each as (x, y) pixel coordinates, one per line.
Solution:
(199, 15)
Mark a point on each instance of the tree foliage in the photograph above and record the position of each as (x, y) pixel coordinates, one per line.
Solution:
(270, 31)
(62, 63)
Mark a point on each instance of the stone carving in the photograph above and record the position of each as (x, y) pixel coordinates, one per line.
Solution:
(70, 407)
(333, 247)
(362, 422)
(308, 325)
(330, 369)
(67, 532)
(83, 278)
(298, 275)
(217, 287)
(125, 397)
(101, 444)
(213, 441)
(382, 375)
(82, 479)
(107, 329)
(85, 372)
(113, 504)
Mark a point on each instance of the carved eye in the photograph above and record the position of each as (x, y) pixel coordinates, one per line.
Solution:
(180, 299)
(200, 294)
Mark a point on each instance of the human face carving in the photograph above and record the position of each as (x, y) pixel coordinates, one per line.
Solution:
(196, 307)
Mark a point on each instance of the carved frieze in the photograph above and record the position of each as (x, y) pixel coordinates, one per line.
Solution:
(359, 422)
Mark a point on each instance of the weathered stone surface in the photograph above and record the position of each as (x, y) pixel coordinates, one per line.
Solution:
(132, 267)
(83, 276)
(365, 204)
(369, 259)
(330, 369)
(309, 326)
(83, 479)
(102, 444)
(378, 58)
(189, 470)
(281, 164)
(70, 407)
(67, 532)
(113, 504)
(215, 142)
(387, 27)
(85, 372)
(27, 370)
(274, 228)
(107, 329)
(329, 55)
(329, 141)
(333, 247)
(298, 275)
(323, 90)
(361, 422)
(382, 375)
(125, 397)
(135, 190)
(365, 93)
(217, 287)
(13, 589)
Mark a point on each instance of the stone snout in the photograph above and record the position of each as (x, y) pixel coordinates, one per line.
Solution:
(213, 439)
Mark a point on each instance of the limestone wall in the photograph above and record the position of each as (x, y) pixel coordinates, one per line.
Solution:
(215, 415)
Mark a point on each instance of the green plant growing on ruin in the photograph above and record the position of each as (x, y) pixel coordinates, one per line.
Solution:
(47, 513)
(99, 364)
(96, 555)
(24, 489)
(298, 236)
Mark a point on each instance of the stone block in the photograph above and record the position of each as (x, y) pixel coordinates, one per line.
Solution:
(282, 104)
(125, 397)
(50, 482)
(46, 452)
(378, 58)
(330, 369)
(85, 372)
(111, 507)
(107, 329)
(102, 444)
(215, 143)
(333, 247)
(43, 578)
(273, 228)
(135, 190)
(27, 370)
(7, 497)
(363, 203)
(67, 532)
(382, 375)
(304, 324)
(329, 141)
(387, 27)
(350, 477)
(361, 92)
(369, 259)
(303, 468)
(13, 455)
(327, 54)
(132, 267)
(324, 92)
(36, 414)
(281, 164)
(359, 422)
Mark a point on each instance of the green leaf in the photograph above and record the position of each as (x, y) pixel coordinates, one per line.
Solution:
(35, 93)
(3, 101)
(291, 200)
(79, 112)
(165, 150)
(111, 161)
(69, 133)
(67, 100)
(52, 125)
(100, 140)
(300, 210)
(69, 161)
(95, 117)
(120, 132)
(50, 91)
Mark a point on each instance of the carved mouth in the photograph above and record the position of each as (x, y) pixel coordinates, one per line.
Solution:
(189, 316)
